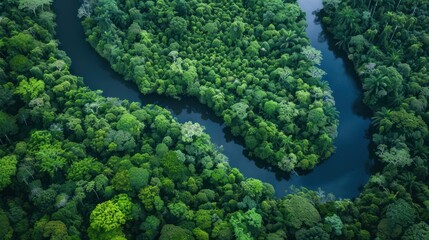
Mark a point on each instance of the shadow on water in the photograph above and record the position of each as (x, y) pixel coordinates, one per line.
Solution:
(342, 174)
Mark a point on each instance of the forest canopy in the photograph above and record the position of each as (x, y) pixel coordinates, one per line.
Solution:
(249, 61)
(77, 165)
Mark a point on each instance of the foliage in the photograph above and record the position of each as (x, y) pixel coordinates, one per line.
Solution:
(300, 211)
(77, 165)
(387, 44)
(243, 60)
(7, 170)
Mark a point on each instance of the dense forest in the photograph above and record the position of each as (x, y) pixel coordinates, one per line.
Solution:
(77, 165)
(388, 43)
(249, 61)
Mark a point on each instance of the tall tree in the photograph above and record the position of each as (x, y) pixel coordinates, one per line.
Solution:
(33, 4)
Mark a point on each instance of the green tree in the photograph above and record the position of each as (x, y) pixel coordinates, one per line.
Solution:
(33, 4)
(173, 167)
(252, 187)
(121, 181)
(418, 231)
(20, 63)
(22, 42)
(270, 108)
(190, 130)
(172, 232)
(7, 170)
(178, 25)
(7, 126)
(150, 226)
(120, 141)
(30, 89)
(107, 216)
(6, 230)
(130, 124)
(313, 55)
(50, 159)
(139, 177)
(300, 211)
(200, 234)
(335, 223)
(147, 195)
(401, 213)
(312, 233)
(84, 169)
(55, 230)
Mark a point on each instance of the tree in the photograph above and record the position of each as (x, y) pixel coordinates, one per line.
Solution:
(203, 219)
(107, 216)
(300, 211)
(30, 89)
(85, 10)
(20, 63)
(147, 195)
(50, 159)
(6, 94)
(139, 177)
(173, 167)
(239, 225)
(6, 230)
(55, 230)
(172, 232)
(44, 199)
(252, 187)
(84, 169)
(22, 42)
(417, 231)
(120, 141)
(270, 108)
(398, 157)
(180, 211)
(178, 25)
(200, 234)
(401, 213)
(125, 205)
(7, 126)
(383, 87)
(121, 181)
(317, 117)
(222, 230)
(312, 233)
(33, 4)
(129, 123)
(313, 55)
(7, 170)
(190, 130)
(150, 226)
(335, 223)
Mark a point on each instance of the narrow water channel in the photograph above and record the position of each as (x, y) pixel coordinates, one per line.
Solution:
(342, 174)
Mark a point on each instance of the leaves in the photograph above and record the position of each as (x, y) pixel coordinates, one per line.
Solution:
(7, 170)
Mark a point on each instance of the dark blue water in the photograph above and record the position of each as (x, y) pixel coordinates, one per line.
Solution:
(342, 174)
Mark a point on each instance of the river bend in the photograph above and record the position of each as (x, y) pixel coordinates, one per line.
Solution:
(342, 174)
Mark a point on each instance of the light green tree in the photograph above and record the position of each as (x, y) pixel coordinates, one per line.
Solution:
(7, 170)
(33, 4)
(50, 159)
(107, 216)
(190, 130)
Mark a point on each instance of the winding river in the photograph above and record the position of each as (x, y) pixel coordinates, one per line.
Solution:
(342, 174)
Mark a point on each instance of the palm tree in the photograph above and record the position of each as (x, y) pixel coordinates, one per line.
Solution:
(288, 37)
(375, 88)
(409, 180)
(379, 116)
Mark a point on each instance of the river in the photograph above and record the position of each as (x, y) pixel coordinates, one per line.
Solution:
(342, 174)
